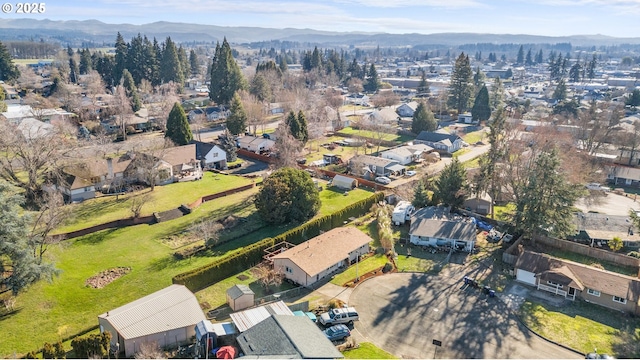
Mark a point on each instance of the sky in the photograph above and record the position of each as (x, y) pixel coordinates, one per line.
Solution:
(536, 17)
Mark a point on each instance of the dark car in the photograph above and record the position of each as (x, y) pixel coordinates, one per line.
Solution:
(337, 332)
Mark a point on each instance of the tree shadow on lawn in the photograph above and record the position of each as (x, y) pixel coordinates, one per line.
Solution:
(96, 237)
(6, 315)
(167, 262)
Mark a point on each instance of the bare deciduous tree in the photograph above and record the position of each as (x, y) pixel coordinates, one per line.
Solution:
(287, 147)
(209, 230)
(138, 202)
(254, 110)
(150, 350)
(52, 214)
(122, 106)
(267, 275)
(385, 98)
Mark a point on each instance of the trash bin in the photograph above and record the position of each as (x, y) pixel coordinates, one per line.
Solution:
(492, 293)
(486, 289)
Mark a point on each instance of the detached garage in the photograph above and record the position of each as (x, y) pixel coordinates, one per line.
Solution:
(167, 317)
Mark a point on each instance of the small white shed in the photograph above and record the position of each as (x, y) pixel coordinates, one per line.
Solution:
(344, 182)
(240, 297)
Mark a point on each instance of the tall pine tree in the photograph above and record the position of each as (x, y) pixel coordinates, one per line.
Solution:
(303, 133)
(120, 60)
(423, 85)
(237, 120)
(193, 63)
(226, 78)
(170, 68)
(423, 120)
(8, 70)
(178, 129)
(461, 85)
(481, 110)
(451, 186)
(373, 82)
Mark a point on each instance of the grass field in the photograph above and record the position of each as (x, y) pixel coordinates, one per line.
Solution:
(367, 350)
(585, 327)
(107, 208)
(474, 137)
(369, 264)
(315, 152)
(52, 311)
(374, 136)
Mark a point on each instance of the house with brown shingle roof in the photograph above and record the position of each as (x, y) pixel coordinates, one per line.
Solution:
(321, 256)
(573, 280)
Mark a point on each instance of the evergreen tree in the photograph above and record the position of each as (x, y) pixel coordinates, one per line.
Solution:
(497, 94)
(170, 68)
(591, 67)
(132, 93)
(373, 82)
(575, 72)
(423, 120)
(520, 58)
(73, 71)
(451, 185)
(539, 57)
(156, 49)
(260, 87)
(19, 267)
(228, 144)
(178, 129)
(560, 93)
(85, 62)
(461, 85)
(633, 100)
(120, 59)
(481, 110)
(316, 59)
(420, 196)
(478, 78)
(184, 62)
(105, 67)
(3, 104)
(283, 64)
(489, 179)
(135, 59)
(303, 134)
(8, 70)
(423, 85)
(226, 77)
(355, 71)
(293, 125)
(237, 120)
(546, 205)
(528, 59)
(193, 62)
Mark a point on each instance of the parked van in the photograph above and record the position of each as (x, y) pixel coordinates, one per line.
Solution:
(339, 316)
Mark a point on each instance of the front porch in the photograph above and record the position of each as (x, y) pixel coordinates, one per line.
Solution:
(557, 290)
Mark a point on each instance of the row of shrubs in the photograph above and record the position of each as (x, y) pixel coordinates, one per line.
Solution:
(204, 276)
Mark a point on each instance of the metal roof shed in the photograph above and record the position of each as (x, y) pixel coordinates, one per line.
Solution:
(344, 182)
(167, 317)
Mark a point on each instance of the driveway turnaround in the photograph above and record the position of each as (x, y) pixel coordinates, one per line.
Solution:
(406, 314)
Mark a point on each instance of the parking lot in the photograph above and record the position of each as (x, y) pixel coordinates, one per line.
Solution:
(611, 204)
(404, 313)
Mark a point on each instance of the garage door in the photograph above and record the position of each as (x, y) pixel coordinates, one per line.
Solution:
(525, 277)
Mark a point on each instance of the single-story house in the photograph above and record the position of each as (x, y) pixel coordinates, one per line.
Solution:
(255, 144)
(170, 165)
(479, 204)
(81, 181)
(212, 113)
(598, 229)
(623, 175)
(319, 257)
(16, 113)
(407, 109)
(32, 128)
(358, 99)
(287, 337)
(275, 108)
(370, 167)
(628, 157)
(136, 121)
(435, 232)
(442, 142)
(572, 280)
(246, 319)
(344, 182)
(465, 118)
(405, 155)
(76, 188)
(166, 317)
(211, 156)
(385, 115)
(240, 297)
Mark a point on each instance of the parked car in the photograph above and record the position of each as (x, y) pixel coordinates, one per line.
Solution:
(383, 180)
(597, 187)
(411, 173)
(339, 316)
(337, 332)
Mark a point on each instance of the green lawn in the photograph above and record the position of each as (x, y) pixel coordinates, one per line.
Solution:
(472, 164)
(461, 152)
(503, 212)
(107, 208)
(367, 350)
(334, 199)
(315, 152)
(374, 136)
(66, 306)
(474, 137)
(585, 327)
(369, 264)
(418, 261)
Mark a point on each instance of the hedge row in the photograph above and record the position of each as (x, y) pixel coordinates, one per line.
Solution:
(207, 275)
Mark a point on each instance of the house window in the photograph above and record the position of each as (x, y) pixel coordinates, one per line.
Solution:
(593, 292)
(288, 269)
(215, 155)
(554, 284)
(619, 300)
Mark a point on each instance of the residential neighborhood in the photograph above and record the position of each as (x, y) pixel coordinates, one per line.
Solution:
(188, 190)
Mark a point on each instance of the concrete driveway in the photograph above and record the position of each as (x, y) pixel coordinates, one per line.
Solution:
(612, 204)
(403, 314)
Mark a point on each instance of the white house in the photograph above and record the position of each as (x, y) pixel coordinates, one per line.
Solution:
(255, 144)
(319, 257)
(166, 317)
(407, 109)
(211, 156)
(465, 118)
(405, 155)
(358, 99)
(435, 232)
(441, 142)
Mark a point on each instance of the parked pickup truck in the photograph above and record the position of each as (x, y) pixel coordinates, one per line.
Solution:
(339, 316)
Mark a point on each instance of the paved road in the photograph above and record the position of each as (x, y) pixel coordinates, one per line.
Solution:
(403, 313)
(611, 204)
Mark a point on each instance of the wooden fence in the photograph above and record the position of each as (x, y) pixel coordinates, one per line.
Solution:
(577, 248)
(252, 155)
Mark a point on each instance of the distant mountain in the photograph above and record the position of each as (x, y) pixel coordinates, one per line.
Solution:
(97, 32)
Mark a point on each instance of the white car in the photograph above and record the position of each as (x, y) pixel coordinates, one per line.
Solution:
(411, 173)
(597, 187)
(383, 180)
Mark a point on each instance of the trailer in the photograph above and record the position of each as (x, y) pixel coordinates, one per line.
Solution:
(402, 212)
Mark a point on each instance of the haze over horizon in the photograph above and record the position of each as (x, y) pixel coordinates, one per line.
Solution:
(616, 18)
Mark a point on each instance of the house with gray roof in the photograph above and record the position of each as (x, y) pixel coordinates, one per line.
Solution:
(240, 297)
(407, 109)
(286, 337)
(447, 143)
(572, 280)
(370, 167)
(405, 155)
(437, 232)
(167, 317)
